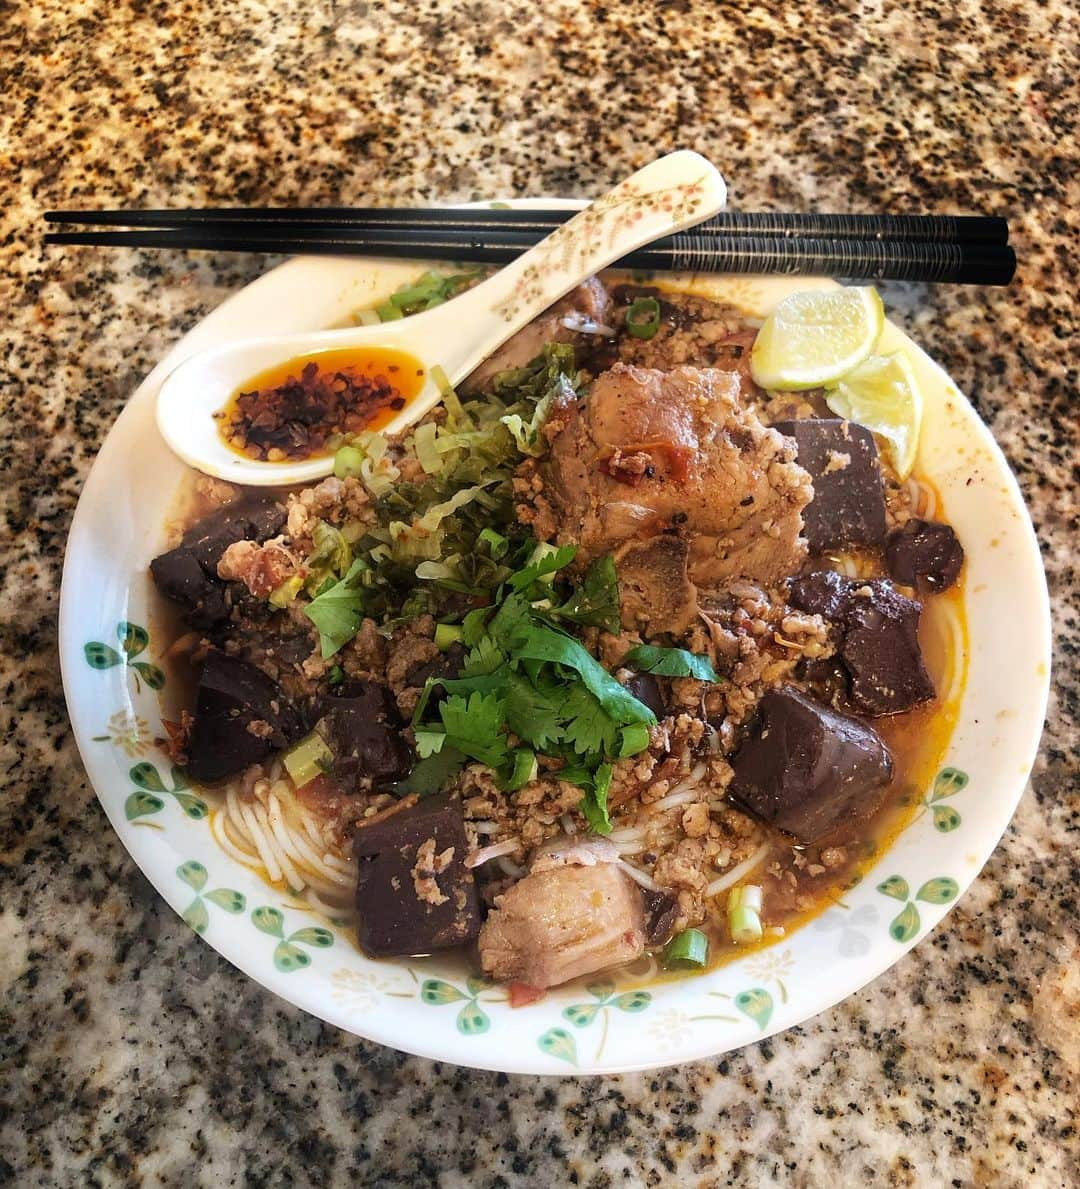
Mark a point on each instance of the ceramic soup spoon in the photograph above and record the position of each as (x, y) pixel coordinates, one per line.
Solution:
(674, 193)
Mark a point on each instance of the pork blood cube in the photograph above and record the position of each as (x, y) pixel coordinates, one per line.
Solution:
(848, 507)
(241, 717)
(247, 519)
(202, 598)
(414, 893)
(363, 729)
(808, 770)
(878, 630)
(924, 554)
(188, 574)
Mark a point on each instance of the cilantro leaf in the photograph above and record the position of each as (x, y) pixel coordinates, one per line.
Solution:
(589, 728)
(595, 603)
(594, 804)
(484, 658)
(431, 774)
(670, 662)
(339, 610)
(548, 562)
(509, 621)
(529, 712)
(541, 643)
(429, 742)
(474, 726)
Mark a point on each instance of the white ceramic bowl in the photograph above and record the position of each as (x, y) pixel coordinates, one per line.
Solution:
(435, 1007)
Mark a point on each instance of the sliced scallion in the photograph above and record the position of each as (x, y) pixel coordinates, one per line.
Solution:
(524, 769)
(447, 634)
(497, 544)
(348, 462)
(307, 759)
(643, 318)
(744, 914)
(688, 949)
(633, 739)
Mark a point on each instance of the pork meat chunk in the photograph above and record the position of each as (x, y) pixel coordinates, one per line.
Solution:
(559, 923)
(588, 305)
(683, 451)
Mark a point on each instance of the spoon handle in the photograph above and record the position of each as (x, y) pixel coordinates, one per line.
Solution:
(669, 195)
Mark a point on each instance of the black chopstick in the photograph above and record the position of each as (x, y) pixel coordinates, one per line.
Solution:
(691, 251)
(906, 228)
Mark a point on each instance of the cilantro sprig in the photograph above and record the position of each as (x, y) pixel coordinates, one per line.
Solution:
(525, 677)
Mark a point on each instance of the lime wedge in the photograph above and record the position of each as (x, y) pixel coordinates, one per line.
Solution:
(812, 339)
(883, 394)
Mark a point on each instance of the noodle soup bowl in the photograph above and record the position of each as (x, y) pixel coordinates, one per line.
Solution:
(121, 694)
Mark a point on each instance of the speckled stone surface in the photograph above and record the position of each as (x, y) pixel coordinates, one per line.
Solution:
(132, 1054)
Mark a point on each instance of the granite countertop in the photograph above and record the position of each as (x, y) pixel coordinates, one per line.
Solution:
(131, 1053)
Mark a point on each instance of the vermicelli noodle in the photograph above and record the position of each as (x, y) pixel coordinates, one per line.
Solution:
(265, 826)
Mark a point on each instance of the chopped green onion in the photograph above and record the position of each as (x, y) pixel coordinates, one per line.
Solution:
(643, 318)
(283, 595)
(687, 949)
(524, 769)
(388, 312)
(336, 675)
(447, 634)
(633, 739)
(307, 759)
(744, 914)
(497, 544)
(348, 462)
(367, 318)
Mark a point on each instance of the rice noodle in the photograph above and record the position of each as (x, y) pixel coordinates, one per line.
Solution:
(567, 823)
(626, 834)
(683, 792)
(485, 828)
(496, 850)
(730, 878)
(634, 847)
(638, 876)
(509, 867)
(266, 827)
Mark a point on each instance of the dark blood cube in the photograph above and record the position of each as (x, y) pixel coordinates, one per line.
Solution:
(241, 717)
(178, 575)
(247, 519)
(924, 554)
(848, 507)
(878, 630)
(808, 770)
(363, 730)
(406, 908)
(188, 574)
(881, 652)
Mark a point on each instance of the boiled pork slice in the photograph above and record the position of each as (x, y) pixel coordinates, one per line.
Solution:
(562, 922)
(682, 452)
(589, 305)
